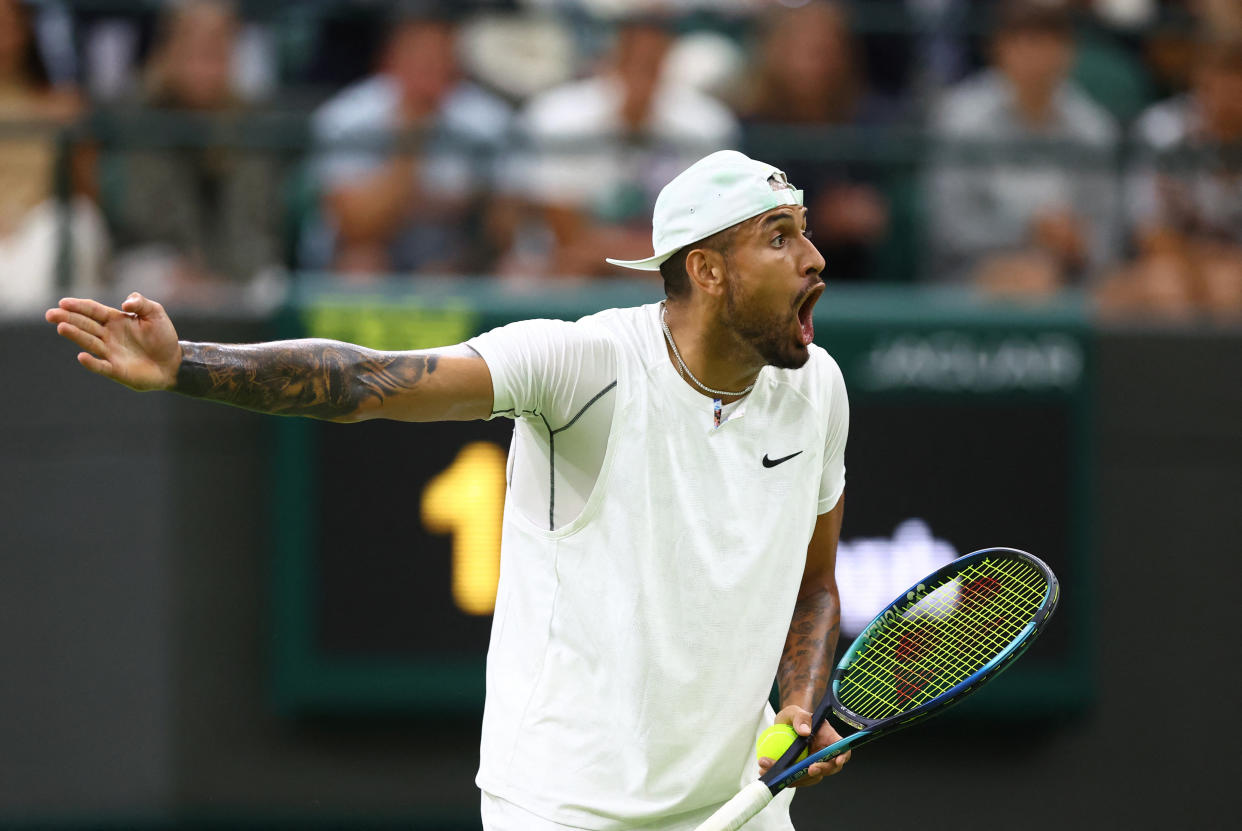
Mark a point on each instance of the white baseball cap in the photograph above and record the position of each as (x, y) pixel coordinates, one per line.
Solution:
(714, 193)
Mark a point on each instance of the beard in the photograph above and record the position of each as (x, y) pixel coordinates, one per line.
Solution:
(767, 334)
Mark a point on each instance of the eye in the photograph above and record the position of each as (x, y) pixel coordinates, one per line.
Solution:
(779, 241)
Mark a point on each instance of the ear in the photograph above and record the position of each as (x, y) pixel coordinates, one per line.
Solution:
(706, 269)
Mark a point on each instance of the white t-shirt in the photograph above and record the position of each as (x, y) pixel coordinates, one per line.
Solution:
(649, 568)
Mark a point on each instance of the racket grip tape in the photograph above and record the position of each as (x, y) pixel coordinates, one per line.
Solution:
(738, 811)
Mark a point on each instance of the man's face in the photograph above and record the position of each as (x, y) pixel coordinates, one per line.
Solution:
(200, 57)
(810, 49)
(640, 54)
(773, 282)
(1034, 60)
(422, 58)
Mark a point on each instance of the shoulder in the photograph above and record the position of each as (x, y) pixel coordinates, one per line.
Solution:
(551, 338)
(367, 104)
(634, 334)
(622, 327)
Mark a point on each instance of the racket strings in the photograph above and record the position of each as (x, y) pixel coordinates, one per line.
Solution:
(961, 656)
(895, 686)
(987, 641)
(914, 680)
(942, 637)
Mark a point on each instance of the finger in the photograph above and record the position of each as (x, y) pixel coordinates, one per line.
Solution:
(765, 763)
(95, 365)
(811, 778)
(91, 308)
(819, 770)
(86, 324)
(141, 306)
(84, 340)
(834, 765)
(802, 722)
(826, 735)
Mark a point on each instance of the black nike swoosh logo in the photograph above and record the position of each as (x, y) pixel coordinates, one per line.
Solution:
(774, 462)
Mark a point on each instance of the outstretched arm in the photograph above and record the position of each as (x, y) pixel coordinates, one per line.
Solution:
(137, 346)
(806, 663)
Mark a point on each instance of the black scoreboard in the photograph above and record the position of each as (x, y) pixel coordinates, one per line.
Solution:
(969, 429)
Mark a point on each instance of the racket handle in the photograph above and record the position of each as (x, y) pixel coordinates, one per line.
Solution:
(738, 811)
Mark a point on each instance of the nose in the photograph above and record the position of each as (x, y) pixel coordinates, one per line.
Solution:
(815, 263)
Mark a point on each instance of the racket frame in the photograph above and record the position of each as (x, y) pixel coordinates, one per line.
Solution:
(786, 770)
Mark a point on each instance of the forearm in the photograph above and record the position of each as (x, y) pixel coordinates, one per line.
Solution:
(318, 378)
(806, 663)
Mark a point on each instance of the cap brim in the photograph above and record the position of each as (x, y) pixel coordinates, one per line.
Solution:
(649, 264)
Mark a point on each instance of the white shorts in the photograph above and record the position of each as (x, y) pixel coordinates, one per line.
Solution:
(501, 815)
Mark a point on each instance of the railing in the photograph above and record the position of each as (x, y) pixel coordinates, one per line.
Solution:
(906, 153)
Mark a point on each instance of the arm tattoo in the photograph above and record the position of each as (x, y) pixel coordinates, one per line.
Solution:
(806, 663)
(318, 378)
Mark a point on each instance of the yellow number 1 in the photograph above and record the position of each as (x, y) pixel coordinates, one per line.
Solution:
(467, 500)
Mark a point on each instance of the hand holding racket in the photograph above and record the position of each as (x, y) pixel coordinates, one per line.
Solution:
(946, 636)
(820, 736)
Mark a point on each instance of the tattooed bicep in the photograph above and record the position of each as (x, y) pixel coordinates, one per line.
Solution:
(391, 374)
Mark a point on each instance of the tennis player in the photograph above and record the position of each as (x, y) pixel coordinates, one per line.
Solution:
(672, 515)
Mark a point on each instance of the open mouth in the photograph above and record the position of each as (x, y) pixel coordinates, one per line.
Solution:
(805, 322)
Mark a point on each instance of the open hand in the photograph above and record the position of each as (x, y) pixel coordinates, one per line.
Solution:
(135, 345)
(800, 719)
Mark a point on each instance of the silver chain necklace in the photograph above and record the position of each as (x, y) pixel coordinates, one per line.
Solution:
(685, 370)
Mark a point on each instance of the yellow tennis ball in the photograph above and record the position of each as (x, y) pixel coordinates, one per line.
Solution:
(774, 741)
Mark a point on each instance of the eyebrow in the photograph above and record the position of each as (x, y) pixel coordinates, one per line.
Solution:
(777, 218)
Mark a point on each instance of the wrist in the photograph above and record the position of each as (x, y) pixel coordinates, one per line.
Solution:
(190, 373)
(170, 385)
(800, 698)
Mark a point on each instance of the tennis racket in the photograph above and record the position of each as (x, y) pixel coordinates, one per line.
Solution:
(942, 639)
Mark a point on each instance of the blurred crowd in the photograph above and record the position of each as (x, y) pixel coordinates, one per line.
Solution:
(195, 149)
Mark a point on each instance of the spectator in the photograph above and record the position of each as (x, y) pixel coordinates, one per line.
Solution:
(808, 80)
(604, 146)
(405, 159)
(1185, 196)
(200, 217)
(32, 113)
(1022, 196)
